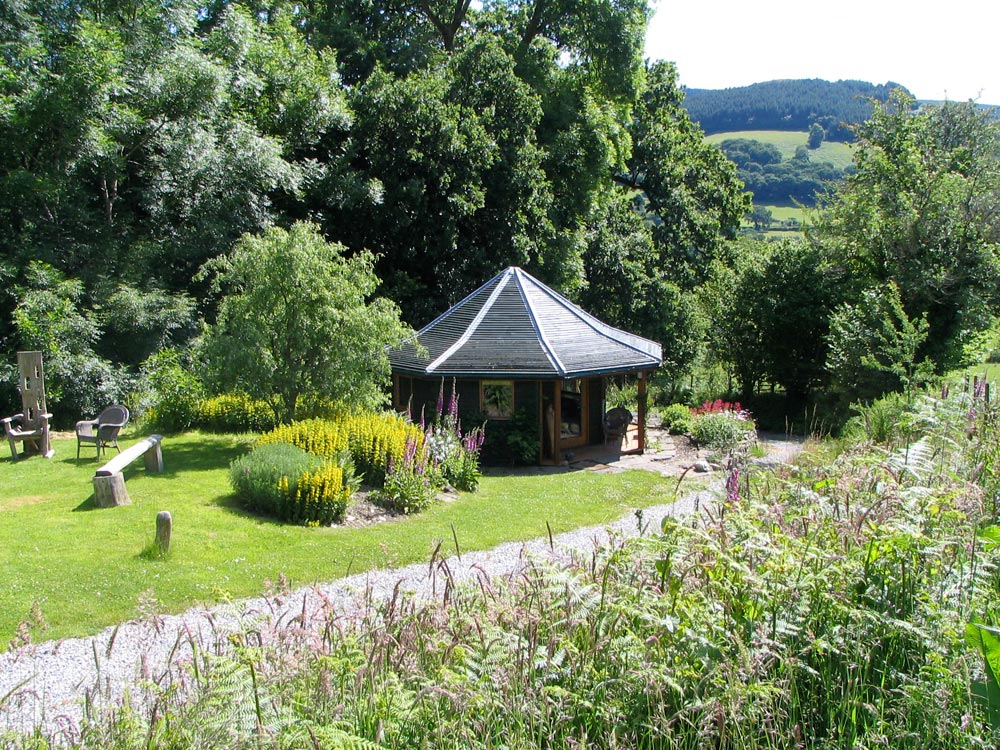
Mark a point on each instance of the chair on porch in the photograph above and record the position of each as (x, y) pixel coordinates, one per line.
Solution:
(102, 431)
(616, 423)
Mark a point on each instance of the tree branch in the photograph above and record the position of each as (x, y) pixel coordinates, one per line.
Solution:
(447, 29)
(534, 27)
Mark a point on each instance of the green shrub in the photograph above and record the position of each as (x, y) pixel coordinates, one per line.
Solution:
(676, 419)
(626, 395)
(461, 471)
(373, 440)
(512, 441)
(321, 496)
(406, 490)
(235, 412)
(256, 477)
(407, 463)
(284, 481)
(173, 393)
(722, 431)
(311, 406)
(882, 421)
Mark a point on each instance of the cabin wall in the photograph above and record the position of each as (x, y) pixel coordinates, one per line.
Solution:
(423, 393)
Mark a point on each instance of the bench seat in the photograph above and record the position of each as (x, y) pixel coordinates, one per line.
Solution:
(109, 482)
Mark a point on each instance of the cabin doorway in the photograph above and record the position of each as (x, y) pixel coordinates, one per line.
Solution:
(573, 412)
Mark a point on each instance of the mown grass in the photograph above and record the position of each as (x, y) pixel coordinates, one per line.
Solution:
(84, 566)
(787, 141)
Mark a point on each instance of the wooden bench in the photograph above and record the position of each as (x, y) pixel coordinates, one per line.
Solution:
(109, 482)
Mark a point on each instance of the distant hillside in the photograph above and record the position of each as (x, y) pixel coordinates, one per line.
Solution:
(780, 168)
(789, 143)
(787, 105)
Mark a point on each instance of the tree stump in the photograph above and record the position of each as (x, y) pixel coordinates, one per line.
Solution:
(110, 491)
(164, 524)
(154, 458)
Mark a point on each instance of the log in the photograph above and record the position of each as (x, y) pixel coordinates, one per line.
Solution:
(164, 524)
(110, 491)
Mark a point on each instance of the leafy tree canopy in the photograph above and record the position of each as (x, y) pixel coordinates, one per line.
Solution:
(435, 140)
(297, 318)
(920, 213)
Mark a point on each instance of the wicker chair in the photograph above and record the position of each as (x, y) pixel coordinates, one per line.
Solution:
(102, 431)
(616, 423)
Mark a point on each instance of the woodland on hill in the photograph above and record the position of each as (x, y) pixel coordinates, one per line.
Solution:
(773, 179)
(409, 150)
(788, 105)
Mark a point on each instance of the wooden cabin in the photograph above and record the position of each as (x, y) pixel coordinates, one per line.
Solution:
(514, 345)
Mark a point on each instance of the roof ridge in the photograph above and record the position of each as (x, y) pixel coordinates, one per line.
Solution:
(471, 328)
(533, 317)
(516, 326)
(626, 339)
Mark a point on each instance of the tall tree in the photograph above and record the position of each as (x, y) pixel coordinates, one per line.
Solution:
(626, 286)
(426, 156)
(690, 186)
(874, 347)
(298, 318)
(921, 212)
(512, 125)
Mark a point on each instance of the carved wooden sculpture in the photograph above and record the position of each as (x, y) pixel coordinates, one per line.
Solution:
(31, 426)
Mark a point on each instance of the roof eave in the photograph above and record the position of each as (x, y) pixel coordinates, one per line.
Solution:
(514, 375)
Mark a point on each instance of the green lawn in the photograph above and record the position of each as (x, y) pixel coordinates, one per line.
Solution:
(83, 564)
(786, 141)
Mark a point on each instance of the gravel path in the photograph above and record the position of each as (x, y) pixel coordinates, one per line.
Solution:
(45, 685)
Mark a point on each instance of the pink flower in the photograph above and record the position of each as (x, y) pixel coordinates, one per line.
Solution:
(733, 482)
(453, 401)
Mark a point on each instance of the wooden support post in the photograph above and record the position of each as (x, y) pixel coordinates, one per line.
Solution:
(110, 491)
(642, 411)
(164, 525)
(154, 458)
(557, 453)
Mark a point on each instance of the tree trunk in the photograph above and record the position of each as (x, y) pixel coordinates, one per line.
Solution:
(110, 492)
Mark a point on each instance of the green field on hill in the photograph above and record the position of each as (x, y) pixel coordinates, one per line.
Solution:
(786, 141)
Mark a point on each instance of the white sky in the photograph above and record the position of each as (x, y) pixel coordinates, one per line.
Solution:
(936, 49)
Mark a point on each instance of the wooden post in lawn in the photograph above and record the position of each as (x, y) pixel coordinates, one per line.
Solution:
(164, 524)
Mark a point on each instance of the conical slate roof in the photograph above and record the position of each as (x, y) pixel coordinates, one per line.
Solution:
(514, 326)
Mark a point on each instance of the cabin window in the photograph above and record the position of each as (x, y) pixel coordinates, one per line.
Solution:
(497, 398)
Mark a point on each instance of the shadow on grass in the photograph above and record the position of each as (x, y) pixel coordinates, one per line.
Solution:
(89, 504)
(185, 454)
(231, 504)
(188, 456)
